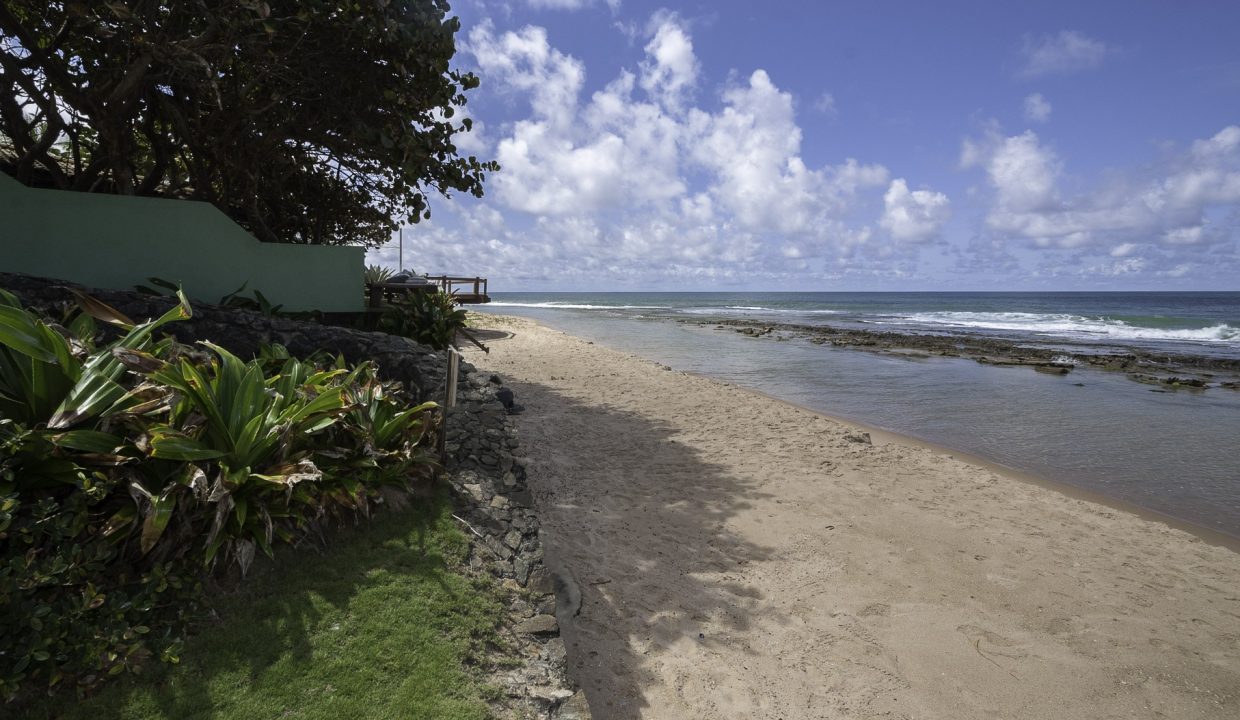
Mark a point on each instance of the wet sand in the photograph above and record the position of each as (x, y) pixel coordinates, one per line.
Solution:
(735, 556)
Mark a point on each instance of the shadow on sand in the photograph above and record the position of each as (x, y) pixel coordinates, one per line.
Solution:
(638, 522)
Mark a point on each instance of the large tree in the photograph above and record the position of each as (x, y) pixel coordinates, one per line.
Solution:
(307, 121)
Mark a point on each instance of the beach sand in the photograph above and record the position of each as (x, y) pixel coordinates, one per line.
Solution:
(736, 556)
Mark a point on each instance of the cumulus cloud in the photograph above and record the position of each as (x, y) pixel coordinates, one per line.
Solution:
(914, 216)
(752, 149)
(671, 68)
(1037, 108)
(598, 185)
(1068, 51)
(1170, 206)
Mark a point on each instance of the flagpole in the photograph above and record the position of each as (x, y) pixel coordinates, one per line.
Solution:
(401, 254)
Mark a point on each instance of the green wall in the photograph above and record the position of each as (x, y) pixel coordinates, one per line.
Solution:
(116, 242)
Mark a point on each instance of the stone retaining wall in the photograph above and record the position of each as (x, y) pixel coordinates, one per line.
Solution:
(493, 502)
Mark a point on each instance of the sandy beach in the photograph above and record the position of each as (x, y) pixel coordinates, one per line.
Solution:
(736, 556)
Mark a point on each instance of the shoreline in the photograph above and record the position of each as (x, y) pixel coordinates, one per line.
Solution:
(1166, 369)
(1218, 538)
(768, 561)
(1215, 536)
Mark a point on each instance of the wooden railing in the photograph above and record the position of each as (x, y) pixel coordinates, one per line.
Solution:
(467, 290)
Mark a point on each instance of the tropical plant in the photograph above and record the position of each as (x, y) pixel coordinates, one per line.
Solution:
(430, 318)
(127, 468)
(375, 274)
(257, 432)
(386, 432)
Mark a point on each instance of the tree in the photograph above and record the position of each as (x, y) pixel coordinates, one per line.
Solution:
(307, 121)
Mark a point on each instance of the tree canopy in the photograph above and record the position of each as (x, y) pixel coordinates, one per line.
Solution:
(307, 121)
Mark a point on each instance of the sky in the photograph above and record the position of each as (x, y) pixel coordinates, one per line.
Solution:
(860, 145)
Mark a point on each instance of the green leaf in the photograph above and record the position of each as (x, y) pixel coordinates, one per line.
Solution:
(92, 441)
(123, 518)
(157, 517)
(171, 445)
(29, 336)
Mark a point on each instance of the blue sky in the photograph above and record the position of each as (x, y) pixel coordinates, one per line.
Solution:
(846, 146)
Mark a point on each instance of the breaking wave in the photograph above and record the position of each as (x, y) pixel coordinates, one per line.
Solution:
(1074, 326)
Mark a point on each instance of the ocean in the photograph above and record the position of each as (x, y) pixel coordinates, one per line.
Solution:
(1175, 452)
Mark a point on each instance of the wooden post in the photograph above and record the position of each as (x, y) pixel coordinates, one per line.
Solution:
(449, 402)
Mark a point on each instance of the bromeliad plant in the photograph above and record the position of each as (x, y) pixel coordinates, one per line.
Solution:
(258, 432)
(128, 468)
(430, 318)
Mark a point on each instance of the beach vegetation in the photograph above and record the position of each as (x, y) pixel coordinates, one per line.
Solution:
(134, 469)
(377, 274)
(380, 623)
(430, 318)
(345, 115)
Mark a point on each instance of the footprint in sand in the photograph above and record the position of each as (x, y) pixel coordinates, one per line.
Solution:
(992, 643)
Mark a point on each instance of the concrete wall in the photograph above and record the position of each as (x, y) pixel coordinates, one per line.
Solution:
(111, 241)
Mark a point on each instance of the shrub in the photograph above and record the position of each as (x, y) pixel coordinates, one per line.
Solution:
(129, 469)
(430, 318)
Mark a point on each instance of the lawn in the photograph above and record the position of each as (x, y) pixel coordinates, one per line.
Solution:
(381, 624)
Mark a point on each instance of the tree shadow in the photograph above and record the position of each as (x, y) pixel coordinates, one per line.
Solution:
(267, 635)
(638, 522)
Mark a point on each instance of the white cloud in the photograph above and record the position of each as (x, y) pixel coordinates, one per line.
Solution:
(1184, 236)
(752, 149)
(599, 186)
(825, 104)
(913, 216)
(670, 70)
(1066, 52)
(1170, 205)
(524, 62)
(1037, 108)
(569, 4)
(1023, 173)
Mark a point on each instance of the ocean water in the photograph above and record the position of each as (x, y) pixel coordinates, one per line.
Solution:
(1174, 452)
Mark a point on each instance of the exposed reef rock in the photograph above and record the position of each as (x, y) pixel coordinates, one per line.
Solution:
(1183, 371)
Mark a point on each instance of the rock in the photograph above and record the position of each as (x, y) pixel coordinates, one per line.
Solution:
(862, 438)
(1053, 369)
(521, 570)
(574, 708)
(513, 539)
(475, 492)
(499, 502)
(522, 608)
(541, 582)
(539, 625)
(554, 651)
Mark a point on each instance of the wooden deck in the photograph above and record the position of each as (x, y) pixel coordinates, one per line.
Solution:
(466, 290)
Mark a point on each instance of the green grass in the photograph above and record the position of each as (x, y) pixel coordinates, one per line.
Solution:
(378, 625)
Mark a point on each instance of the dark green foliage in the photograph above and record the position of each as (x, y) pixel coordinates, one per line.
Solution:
(130, 469)
(74, 608)
(258, 303)
(375, 274)
(306, 121)
(430, 318)
(379, 624)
